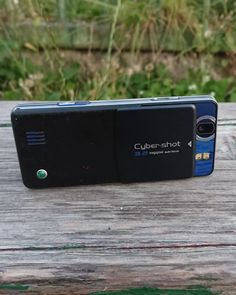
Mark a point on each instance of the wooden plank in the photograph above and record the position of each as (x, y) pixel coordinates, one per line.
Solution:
(85, 35)
(227, 111)
(80, 35)
(226, 140)
(118, 216)
(81, 271)
(122, 208)
(5, 108)
(108, 215)
(82, 239)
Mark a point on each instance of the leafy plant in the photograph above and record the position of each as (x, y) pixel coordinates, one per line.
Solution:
(33, 65)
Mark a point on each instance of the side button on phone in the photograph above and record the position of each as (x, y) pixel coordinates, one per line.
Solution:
(66, 103)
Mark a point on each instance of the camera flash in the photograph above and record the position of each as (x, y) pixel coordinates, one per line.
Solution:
(198, 157)
(206, 156)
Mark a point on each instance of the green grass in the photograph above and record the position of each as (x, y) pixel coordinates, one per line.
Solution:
(203, 25)
(156, 291)
(180, 26)
(17, 287)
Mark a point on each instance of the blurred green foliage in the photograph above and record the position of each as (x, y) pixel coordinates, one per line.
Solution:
(180, 27)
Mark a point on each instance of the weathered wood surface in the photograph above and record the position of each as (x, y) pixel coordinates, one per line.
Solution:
(82, 239)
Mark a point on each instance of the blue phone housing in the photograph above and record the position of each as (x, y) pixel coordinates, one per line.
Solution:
(205, 146)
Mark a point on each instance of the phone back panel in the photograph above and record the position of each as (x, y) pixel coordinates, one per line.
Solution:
(74, 148)
(89, 146)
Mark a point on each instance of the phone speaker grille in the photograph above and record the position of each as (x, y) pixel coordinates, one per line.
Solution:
(35, 137)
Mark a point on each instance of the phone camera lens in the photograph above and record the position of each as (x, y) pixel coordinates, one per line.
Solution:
(205, 129)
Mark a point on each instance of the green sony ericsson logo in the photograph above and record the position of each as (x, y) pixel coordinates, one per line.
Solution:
(41, 174)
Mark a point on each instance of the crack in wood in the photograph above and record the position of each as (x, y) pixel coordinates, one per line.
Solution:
(103, 247)
(4, 125)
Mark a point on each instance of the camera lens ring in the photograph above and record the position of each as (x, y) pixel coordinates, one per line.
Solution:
(206, 120)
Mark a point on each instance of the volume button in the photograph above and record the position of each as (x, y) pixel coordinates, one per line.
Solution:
(66, 103)
(72, 103)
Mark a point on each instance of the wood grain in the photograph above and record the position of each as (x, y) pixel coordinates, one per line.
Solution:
(75, 271)
(82, 239)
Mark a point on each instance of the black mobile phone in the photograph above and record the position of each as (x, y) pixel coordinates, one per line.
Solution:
(71, 143)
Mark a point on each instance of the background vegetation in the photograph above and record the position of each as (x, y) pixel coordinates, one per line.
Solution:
(101, 49)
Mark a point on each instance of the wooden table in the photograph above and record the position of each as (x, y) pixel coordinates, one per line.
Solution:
(78, 240)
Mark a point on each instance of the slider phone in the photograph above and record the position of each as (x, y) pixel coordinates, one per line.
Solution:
(82, 142)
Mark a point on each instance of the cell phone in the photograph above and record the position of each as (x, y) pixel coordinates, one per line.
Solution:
(83, 142)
